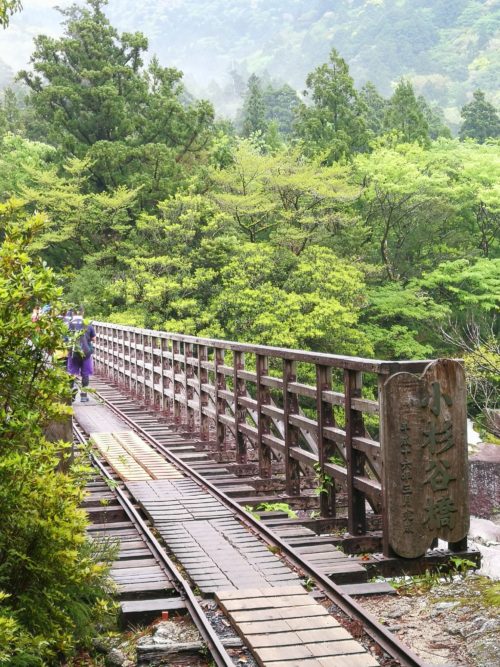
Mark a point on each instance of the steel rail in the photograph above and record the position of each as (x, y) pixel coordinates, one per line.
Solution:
(391, 644)
(217, 650)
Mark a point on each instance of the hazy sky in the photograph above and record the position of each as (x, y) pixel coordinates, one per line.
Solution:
(37, 16)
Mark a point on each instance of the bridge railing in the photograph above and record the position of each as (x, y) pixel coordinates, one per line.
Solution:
(304, 413)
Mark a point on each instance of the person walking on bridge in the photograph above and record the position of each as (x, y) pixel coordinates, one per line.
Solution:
(80, 361)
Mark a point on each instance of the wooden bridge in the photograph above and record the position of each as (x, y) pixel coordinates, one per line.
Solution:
(384, 442)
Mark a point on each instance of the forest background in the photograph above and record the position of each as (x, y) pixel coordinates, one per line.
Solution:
(324, 216)
(333, 218)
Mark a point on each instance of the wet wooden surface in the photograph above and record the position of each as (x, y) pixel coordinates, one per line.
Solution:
(289, 627)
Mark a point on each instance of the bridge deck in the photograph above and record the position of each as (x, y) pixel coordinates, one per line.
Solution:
(220, 555)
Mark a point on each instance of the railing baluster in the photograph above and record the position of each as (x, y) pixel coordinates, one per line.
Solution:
(290, 407)
(167, 361)
(136, 362)
(161, 378)
(239, 389)
(188, 389)
(203, 395)
(126, 358)
(355, 459)
(143, 362)
(148, 373)
(123, 361)
(220, 403)
(263, 421)
(175, 383)
(326, 448)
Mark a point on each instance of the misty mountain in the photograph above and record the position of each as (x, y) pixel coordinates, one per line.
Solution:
(447, 48)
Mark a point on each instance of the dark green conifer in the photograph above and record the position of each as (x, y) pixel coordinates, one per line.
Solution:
(334, 124)
(254, 109)
(405, 116)
(481, 120)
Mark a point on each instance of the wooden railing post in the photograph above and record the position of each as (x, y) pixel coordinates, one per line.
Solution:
(167, 375)
(143, 366)
(100, 351)
(188, 388)
(176, 367)
(220, 403)
(136, 362)
(326, 448)
(148, 370)
(239, 389)
(203, 395)
(290, 407)
(263, 421)
(119, 359)
(356, 504)
(126, 359)
(114, 357)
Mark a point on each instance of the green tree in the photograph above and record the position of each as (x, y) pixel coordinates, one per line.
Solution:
(404, 201)
(480, 119)
(19, 159)
(7, 9)
(470, 289)
(11, 116)
(166, 271)
(434, 117)
(404, 115)
(98, 101)
(80, 222)
(474, 173)
(332, 125)
(282, 197)
(422, 207)
(281, 105)
(240, 192)
(53, 589)
(375, 106)
(272, 297)
(254, 109)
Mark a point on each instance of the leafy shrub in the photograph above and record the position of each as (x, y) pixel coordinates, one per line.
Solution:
(53, 585)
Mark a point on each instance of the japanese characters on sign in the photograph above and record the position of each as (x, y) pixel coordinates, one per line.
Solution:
(438, 440)
(425, 457)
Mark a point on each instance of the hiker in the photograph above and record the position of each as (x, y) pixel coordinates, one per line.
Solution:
(61, 355)
(80, 353)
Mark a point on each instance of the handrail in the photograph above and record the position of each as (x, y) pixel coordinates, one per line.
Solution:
(335, 360)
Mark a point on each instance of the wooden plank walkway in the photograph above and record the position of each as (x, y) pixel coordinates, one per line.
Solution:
(215, 549)
(327, 558)
(289, 628)
(132, 458)
(281, 623)
(114, 453)
(334, 563)
(176, 500)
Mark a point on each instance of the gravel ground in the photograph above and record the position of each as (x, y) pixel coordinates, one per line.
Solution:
(454, 623)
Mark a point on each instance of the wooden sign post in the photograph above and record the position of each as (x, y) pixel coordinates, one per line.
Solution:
(425, 463)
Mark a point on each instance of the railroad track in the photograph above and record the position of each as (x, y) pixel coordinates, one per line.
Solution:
(197, 614)
(247, 533)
